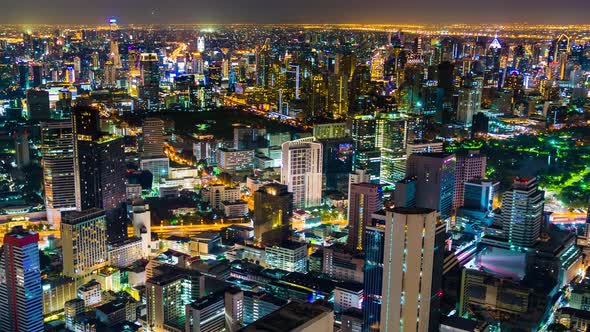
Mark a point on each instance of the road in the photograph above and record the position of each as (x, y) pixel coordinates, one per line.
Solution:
(162, 231)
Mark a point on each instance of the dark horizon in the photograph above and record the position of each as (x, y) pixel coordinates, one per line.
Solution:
(300, 12)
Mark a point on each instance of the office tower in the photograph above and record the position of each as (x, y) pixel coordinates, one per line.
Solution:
(149, 90)
(38, 105)
(84, 242)
(329, 130)
(337, 162)
(21, 296)
(469, 102)
(296, 317)
(522, 212)
(234, 309)
(57, 159)
(37, 75)
(366, 155)
(471, 165)
(206, 314)
(158, 166)
(302, 171)
(481, 124)
(404, 194)
(85, 123)
(73, 308)
(23, 75)
(153, 137)
(342, 264)
(99, 166)
(412, 270)
(435, 180)
(273, 207)
(22, 148)
(142, 225)
(479, 194)
(201, 44)
(358, 176)
(165, 305)
(373, 273)
(64, 104)
(365, 199)
(391, 139)
(100, 172)
(110, 74)
(288, 255)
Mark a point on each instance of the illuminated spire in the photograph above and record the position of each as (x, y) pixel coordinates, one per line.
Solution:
(495, 43)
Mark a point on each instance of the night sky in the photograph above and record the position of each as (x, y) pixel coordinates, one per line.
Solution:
(301, 11)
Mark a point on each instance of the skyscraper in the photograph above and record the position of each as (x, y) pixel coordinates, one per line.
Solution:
(38, 105)
(153, 137)
(84, 242)
(471, 165)
(365, 199)
(21, 296)
(373, 275)
(391, 140)
(22, 148)
(366, 155)
(302, 171)
(522, 212)
(435, 180)
(412, 270)
(99, 168)
(57, 150)
(149, 90)
(273, 206)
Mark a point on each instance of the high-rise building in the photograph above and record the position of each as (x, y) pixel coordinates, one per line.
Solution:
(273, 207)
(471, 165)
(404, 194)
(153, 137)
(73, 308)
(38, 105)
(412, 270)
(21, 296)
(158, 166)
(99, 168)
(329, 130)
(522, 212)
(206, 314)
(435, 180)
(469, 102)
(165, 305)
(373, 275)
(365, 199)
(302, 171)
(366, 155)
(234, 309)
(479, 195)
(358, 176)
(149, 90)
(57, 151)
(391, 139)
(22, 148)
(84, 242)
(288, 255)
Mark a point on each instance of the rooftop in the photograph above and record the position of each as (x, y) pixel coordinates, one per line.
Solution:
(289, 317)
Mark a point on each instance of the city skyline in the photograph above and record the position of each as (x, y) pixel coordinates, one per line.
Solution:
(304, 11)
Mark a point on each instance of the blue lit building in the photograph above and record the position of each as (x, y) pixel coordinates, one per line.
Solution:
(373, 278)
(21, 296)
